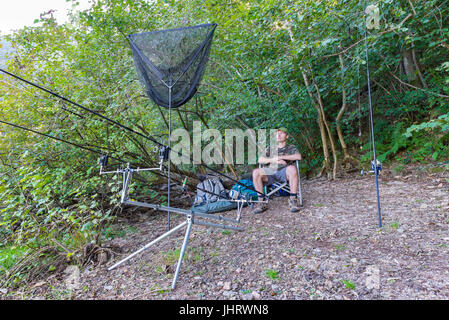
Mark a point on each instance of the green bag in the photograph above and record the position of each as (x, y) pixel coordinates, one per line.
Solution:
(213, 207)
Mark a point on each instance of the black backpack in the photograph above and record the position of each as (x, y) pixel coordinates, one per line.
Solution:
(209, 190)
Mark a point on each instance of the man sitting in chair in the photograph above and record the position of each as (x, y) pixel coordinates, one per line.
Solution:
(278, 166)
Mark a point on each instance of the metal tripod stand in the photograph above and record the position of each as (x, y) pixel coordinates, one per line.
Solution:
(191, 217)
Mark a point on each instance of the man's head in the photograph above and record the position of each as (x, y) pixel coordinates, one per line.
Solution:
(282, 134)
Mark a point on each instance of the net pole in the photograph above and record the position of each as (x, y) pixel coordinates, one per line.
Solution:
(374, 165)
(168, 143)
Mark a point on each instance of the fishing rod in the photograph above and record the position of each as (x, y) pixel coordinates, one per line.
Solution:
(127, 172)
(104, 158)
(58, 139)
(124, 127)
(376, 166)
(78, 105)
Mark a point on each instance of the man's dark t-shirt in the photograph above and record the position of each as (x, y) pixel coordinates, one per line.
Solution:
(289, 149)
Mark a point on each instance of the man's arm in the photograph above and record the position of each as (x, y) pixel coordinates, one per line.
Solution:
(290, 157)
(278, 160)
(265, 160)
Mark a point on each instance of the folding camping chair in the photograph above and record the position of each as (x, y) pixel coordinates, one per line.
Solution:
(275, 187)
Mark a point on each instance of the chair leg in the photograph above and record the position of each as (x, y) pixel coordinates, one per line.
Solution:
(286, 187)
(299, 193)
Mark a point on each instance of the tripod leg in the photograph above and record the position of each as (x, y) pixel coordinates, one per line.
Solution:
(150, 244)
(126, 178)
(183, 249)
(239, 210)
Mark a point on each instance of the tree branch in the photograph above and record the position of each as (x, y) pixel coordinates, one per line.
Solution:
(417, 88)
(361, 40)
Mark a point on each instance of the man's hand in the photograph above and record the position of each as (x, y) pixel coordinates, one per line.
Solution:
(277, 160)
(281, 161)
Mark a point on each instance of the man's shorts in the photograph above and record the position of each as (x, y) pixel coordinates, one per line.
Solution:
(279, 176)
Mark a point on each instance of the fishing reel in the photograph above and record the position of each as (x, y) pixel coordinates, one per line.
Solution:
(376, 167)
(164, 153)
(234, 194)
(104, 160)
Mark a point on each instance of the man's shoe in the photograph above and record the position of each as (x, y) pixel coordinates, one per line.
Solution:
(260, 207)
(293, 204)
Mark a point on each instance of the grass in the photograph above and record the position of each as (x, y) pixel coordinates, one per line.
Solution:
(339, 247)
(168, 258)
(112, 232)
(9, 256)
(272, 274)
(348, 284)
(172, 256)
(435, 170)
(394, 225)
(398, 169)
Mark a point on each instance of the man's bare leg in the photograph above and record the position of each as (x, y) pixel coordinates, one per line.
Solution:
(259, 177)
(292, 178)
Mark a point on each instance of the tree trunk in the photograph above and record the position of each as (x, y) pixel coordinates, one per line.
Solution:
(409, 66)
(418, 69)
(329, 132)
(346, 156)
(326, 162)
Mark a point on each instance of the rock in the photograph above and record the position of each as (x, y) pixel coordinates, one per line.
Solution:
(372, 280)
(247, 296)
(227, 286)
(255, 295)
(102, 257)
(228, 293)
(73, 279)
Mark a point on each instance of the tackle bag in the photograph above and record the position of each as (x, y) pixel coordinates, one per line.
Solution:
(209, 190)
(211, 197)
(245, 189)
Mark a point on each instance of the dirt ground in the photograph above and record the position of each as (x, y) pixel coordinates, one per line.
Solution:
(333, 249)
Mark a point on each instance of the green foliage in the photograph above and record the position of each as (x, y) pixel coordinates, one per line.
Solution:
(9, 256)
(441, 123)
(348, 284)
(272, 274)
